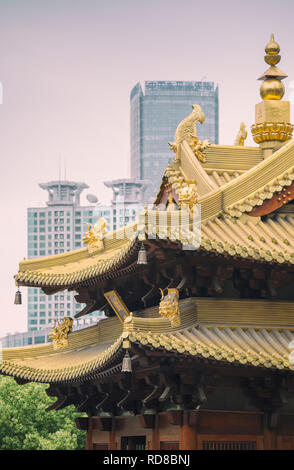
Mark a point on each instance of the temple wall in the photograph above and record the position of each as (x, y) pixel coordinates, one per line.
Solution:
(202, 430)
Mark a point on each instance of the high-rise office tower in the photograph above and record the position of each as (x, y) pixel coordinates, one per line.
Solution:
(155, 116)
(53, 229)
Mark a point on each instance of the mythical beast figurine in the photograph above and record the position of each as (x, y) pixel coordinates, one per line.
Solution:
(169, 307)
(186, 130)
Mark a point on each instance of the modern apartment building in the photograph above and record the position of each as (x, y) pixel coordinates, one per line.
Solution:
(56, 228)
(59, 227)
(155, 115)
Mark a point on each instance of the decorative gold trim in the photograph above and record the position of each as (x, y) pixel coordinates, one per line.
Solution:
(269, 131)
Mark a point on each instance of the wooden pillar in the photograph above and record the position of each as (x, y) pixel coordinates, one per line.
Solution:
(188, 434)
(270, 432)
(269, 439)
(112, 442)
(89, 438)
(155, 443)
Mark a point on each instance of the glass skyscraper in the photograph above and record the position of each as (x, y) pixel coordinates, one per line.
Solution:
(155, 116)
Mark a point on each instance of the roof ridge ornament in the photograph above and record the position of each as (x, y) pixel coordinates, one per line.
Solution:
(186, 131)
(169, 307)
(94, 236)
(242, 135)
(188, 194)
(59, 333)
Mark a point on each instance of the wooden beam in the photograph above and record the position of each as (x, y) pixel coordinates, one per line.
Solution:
(102, 423)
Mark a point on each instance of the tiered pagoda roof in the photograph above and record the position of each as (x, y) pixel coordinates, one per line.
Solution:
(235, 309)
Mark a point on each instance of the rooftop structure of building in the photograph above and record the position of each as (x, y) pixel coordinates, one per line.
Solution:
(63, 192)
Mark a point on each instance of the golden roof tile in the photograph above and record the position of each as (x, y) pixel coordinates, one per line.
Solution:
(209, 329)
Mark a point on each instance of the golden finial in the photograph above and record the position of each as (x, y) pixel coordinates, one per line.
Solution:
(272, 116)
(272, 50)
(272, 88)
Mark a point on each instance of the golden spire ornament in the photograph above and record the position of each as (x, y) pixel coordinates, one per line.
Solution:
(272, 126)
(272, 88)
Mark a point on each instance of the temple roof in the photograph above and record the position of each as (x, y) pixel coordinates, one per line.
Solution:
(223, 229)
(209, 329)
(239, 194)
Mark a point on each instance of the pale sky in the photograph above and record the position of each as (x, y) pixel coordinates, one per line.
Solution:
(67, 68)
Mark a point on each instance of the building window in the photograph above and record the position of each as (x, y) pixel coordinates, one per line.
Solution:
(39, 339)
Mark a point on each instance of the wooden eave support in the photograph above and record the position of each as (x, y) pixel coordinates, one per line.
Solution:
(147, 421)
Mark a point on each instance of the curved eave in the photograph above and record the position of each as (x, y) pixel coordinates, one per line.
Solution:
(246, 237)
(98, 351)
(68, 269)
(89, 352)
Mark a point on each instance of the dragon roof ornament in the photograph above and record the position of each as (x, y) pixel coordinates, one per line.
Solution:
(186, 130)
(94, 235)
(59, 333)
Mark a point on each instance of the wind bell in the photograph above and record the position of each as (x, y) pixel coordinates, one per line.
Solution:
(17, 299)
(142, 255)
(126, 363)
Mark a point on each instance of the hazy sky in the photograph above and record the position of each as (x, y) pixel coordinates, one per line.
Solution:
(67, 68)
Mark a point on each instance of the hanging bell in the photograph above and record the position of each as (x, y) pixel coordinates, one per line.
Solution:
(126, 363)
(17, 299)
(142, 255)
